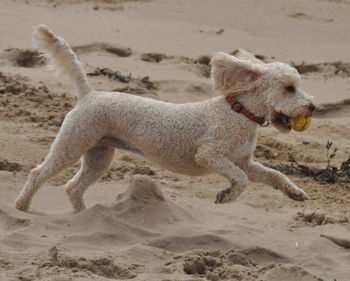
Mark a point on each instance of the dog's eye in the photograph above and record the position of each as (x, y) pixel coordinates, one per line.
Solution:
(290, 89)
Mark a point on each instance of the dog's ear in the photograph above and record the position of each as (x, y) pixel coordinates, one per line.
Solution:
(232, 75)
(245, 55)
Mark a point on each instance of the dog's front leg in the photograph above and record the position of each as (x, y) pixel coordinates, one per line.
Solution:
(223, 166)
(259, 173)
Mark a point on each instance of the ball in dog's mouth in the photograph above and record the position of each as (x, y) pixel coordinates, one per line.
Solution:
(285, 123)
(300, 124)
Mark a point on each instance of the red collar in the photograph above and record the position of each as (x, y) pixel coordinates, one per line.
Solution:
(239, 108)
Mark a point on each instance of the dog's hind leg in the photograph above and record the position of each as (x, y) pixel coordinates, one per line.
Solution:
(70, 144)
(93, 165)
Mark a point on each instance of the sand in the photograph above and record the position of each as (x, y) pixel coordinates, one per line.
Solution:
(143, 222)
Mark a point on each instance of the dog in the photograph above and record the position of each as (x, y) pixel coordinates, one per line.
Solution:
(217, 135)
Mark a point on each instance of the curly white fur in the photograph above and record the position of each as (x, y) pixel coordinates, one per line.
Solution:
(193, 138)
(62, 57)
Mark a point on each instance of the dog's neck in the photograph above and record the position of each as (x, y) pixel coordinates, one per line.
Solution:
(253, 102)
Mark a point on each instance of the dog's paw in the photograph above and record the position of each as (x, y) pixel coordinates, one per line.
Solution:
(297, 194)
(76, 199)
(225, 196)
(21, 204)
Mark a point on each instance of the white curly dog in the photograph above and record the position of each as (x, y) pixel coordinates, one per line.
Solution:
(213, 136)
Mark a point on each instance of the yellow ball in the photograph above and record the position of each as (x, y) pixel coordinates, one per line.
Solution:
(301, 123)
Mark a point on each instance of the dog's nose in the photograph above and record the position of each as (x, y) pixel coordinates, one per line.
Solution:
(312, 107)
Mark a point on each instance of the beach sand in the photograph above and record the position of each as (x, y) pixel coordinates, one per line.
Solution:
(143, 222)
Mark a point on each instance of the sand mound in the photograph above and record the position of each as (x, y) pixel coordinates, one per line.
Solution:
(142, 190)
(143, 203)
(137, 213)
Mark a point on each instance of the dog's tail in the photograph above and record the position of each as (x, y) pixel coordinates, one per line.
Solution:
(61, 57)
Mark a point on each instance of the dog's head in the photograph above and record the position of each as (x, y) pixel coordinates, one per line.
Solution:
(277, 86)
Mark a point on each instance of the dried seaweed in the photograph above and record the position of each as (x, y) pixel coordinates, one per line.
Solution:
(143, 82)
(111, 74)
(328, 175)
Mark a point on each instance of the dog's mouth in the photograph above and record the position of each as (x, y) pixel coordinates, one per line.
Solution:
(280, 121)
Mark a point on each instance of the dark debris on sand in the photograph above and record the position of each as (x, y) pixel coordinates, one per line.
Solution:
(154, 57)
(337, 68)
(6, 165)
(329, 175)
(139, 85)
(318, 218)
(111, 74)
(117, 75)
(25, 58)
